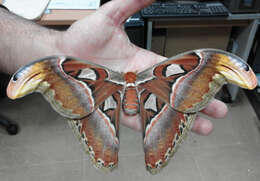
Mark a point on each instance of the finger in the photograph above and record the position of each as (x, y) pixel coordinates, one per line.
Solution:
(119, 10)
(131, 122)
(202, 126)
(216, 109)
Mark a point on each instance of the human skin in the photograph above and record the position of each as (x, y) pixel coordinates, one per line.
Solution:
(100, 38)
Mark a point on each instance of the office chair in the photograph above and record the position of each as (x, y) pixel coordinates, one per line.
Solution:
(10, 126)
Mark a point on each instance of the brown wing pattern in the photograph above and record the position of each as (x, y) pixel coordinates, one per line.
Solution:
(162, 78)
(170, 94)
(163, 130)
(97, 79)
(74, 88)
(188, 81)
(99, 133)
(173, 91)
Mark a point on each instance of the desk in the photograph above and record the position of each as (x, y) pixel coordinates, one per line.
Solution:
(63, 17)
(246, 26)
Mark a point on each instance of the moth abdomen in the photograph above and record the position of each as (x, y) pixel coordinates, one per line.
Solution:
(130, 101)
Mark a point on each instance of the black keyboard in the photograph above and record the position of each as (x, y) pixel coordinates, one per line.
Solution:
(171, 9)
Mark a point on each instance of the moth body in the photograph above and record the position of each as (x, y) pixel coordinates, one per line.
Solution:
(130, 96)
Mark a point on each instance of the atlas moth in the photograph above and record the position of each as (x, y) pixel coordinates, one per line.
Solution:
(167, 96)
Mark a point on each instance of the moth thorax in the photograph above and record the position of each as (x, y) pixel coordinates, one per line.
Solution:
(130, 101)
(130, 77)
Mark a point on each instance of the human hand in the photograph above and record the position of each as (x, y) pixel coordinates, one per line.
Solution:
(101, 38)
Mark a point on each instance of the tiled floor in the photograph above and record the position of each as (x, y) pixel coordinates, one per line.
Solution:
(46, 149)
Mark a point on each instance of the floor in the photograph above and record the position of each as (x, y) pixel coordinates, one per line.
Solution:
(46, 149)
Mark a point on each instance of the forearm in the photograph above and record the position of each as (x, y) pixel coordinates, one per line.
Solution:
(23, 41)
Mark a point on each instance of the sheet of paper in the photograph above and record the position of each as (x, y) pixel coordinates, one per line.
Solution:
(29, 9)
(74, 4)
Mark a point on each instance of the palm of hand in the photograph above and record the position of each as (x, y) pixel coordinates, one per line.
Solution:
(99, 39)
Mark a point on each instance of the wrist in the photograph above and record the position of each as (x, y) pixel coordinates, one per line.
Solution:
(36, 45)
(23, 41)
